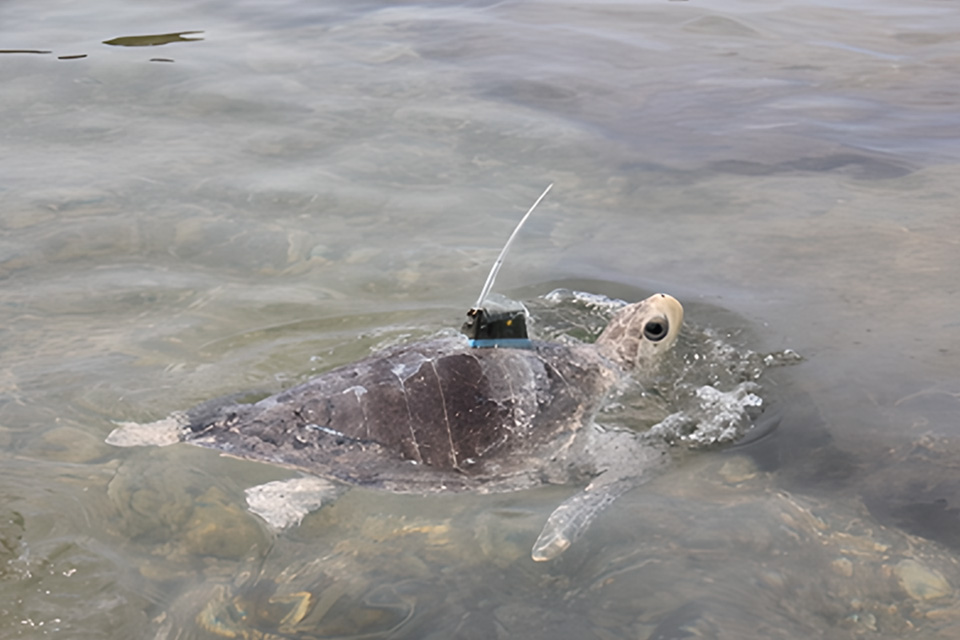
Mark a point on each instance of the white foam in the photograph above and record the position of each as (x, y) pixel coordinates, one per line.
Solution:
(718, 416)
(589, 300)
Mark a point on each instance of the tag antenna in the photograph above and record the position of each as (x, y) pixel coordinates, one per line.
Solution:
(496, 265)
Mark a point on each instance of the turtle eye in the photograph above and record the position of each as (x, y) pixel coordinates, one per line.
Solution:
(656, 330)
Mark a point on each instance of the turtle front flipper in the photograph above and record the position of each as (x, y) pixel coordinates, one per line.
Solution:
(627, 459)
(568, 521)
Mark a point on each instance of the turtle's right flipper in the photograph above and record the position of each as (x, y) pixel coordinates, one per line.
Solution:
(284, 503)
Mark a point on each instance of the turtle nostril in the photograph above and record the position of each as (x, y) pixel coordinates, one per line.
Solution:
(656, 330)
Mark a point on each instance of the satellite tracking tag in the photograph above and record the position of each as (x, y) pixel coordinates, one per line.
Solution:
(487, 328)
(497, 329)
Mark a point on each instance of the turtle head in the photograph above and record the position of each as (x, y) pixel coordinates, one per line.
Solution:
(640, 332)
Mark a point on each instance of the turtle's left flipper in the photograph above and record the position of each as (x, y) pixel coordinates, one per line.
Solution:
(629, 460)
(571, 519)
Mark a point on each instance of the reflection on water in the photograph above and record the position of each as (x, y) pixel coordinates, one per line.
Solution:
(318, 180)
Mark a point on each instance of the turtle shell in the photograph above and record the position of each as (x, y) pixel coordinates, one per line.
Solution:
(435, 415)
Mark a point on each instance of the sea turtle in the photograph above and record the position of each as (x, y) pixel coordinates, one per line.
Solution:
(442, 415)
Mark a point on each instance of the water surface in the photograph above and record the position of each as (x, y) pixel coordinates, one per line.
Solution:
(301, 183)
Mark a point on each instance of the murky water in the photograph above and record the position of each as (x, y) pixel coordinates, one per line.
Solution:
(309, 181)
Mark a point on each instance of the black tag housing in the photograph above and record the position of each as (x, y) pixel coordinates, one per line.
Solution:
(499, 325)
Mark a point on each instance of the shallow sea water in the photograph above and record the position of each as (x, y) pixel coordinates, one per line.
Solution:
(304, 182)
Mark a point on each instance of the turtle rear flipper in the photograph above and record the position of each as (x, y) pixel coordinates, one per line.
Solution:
(159, 433)
(173, 428)
(571, 519)
(284, 503)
